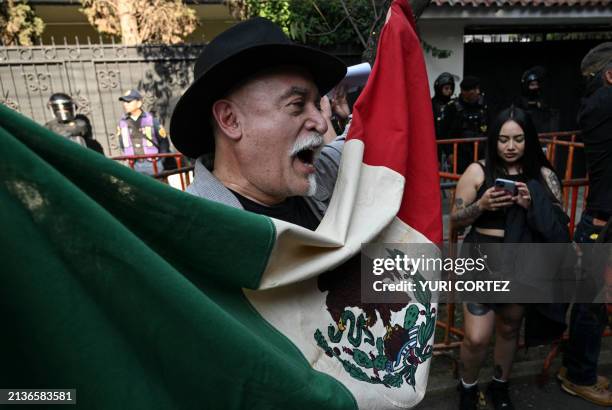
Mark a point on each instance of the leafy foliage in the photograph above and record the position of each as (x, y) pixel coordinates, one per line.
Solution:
(329, 24)
(18, 23)
(318, 23)
(276, 10)
(435, 51)
(142, 21)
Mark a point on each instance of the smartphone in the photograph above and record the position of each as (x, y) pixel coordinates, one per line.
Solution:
(506, 185)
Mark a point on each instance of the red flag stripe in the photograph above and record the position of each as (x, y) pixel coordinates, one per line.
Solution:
(394, 119)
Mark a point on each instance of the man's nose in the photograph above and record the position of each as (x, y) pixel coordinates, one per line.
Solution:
(317, 122)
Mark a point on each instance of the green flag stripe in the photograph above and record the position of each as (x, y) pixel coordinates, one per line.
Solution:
(130, 291)
(235, 241)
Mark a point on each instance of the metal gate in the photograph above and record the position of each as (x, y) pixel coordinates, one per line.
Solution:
(95, 75)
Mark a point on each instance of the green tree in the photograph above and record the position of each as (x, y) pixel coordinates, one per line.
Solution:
(142, 21)
(276, 10)
(326, 24)
(19, 24)
(314, 22)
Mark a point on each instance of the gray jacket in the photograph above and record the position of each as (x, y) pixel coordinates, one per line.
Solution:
(206, 185)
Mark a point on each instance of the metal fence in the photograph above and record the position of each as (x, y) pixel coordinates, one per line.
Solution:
(95, 75)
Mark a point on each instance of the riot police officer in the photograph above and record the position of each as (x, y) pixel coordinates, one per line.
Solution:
(544, 118)
(444, 88)
(465, 117)
(65, 123)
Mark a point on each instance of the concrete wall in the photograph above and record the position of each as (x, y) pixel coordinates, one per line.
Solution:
(445, 36)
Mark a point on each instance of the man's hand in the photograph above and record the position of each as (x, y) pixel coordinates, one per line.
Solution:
(339, 103)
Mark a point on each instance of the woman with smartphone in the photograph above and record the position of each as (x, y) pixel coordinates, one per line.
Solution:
(486, 193)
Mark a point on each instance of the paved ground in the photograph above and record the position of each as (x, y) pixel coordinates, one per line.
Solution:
(525, 393)
(528, 390)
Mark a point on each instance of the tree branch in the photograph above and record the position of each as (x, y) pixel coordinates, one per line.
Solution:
(328, 32)
(316, 7)
(348, 14)
(375, 23)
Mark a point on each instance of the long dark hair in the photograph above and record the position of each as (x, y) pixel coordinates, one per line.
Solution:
(533, 158)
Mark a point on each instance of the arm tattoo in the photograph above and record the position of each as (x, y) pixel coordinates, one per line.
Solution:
(464, 216)
(554, 185)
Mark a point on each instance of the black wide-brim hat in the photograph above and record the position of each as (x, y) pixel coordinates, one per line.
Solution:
(232, 57)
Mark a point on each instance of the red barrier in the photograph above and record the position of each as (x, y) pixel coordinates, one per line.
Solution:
(183, 171)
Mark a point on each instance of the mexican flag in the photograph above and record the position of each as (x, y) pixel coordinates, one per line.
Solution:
(140, 296)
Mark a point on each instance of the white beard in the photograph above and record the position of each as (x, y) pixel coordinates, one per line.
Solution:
(312, 185)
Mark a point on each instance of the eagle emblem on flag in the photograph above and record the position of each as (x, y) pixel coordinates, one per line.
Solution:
(390, 360)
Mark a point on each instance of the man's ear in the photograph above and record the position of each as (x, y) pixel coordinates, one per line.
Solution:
(226, 116)
(608, 77)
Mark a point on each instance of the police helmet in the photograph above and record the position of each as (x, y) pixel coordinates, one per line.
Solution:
(62, 107)
(536, 73)
(530, 77)
(442, 80)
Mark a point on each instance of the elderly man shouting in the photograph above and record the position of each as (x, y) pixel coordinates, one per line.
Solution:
(260, 146)
(261, 128)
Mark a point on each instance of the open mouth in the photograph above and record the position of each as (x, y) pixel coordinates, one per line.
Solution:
(306, 156)
(305, 152)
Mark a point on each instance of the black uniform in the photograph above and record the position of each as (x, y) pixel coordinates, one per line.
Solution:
(439, 100)
(75, 130)
(438, 104)
(461, 119)
(595, 120)
(75, 127)
(544, 117)
(588, 320)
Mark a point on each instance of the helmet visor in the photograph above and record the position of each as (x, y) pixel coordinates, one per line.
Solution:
(62, 110)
